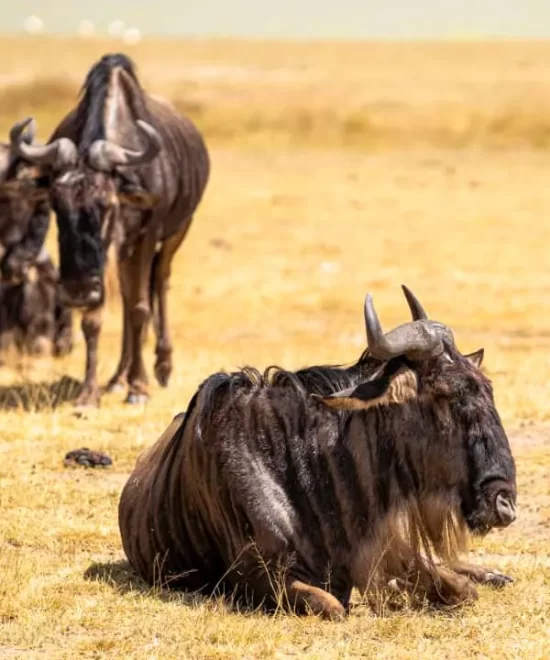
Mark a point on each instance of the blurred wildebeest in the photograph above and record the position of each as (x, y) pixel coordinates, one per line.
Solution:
(31, 315)
(262, 484)
(123, 167)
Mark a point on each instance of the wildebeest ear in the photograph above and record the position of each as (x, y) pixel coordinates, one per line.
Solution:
(476, 357)
(134, 195)
(396, 383)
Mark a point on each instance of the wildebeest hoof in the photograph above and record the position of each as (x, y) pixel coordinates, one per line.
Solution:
(40, 346)
(162, 374)
(87, 399)
(497, 579)
(115, 386)
(163, 368)
(135, 398)
(63, 348)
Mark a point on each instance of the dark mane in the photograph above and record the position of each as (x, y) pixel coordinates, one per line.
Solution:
(89, 112)
(325, 379)
(321, 379)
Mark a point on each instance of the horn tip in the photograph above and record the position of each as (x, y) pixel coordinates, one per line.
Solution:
(29, 121)
(150, 131)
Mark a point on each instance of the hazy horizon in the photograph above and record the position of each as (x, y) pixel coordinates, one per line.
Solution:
(359, 19)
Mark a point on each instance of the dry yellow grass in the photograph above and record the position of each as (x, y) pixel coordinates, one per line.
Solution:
(289, 238)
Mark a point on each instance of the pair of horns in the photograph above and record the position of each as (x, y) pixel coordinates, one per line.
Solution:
(417, 340)
(102, 155)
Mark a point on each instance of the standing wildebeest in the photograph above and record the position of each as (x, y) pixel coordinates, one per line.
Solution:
(141, 195)
(354, 488)
(31, 314)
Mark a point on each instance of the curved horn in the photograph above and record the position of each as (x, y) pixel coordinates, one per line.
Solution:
(417, 340)
(104, 155)
(417, 311)
(28, 132)
(60, 152)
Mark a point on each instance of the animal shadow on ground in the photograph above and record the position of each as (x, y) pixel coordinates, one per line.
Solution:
(122, 578)
(33, 397)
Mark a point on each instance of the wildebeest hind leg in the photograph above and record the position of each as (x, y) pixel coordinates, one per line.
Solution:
(480, 574)
(161, 279)
(139, 270)
(119, 379)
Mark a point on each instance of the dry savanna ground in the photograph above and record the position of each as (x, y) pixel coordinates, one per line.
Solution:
(337, 170)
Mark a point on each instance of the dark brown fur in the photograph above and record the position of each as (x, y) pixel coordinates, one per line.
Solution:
(260, 480)
(31, 317)
(145, 209)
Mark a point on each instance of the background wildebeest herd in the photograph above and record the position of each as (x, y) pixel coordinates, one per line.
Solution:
(273, 489)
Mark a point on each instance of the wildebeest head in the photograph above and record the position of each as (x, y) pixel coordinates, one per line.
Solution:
(19, 190)
(86, 191)
(419, 360)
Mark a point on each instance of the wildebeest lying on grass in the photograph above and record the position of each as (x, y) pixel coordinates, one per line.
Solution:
(121, 168)
(327, 379)
(280, 495)
(31, 315)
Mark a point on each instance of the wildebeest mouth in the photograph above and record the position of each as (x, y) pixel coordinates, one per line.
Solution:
(498, 512)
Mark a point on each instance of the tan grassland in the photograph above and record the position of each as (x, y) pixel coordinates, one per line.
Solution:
(337, 169)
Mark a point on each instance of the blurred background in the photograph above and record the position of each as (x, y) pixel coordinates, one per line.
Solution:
(393, 19)
(354, 147)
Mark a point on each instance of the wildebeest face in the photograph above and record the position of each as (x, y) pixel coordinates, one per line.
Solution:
(471, 451)
(86, 189)
(489, 492)
(85, 203)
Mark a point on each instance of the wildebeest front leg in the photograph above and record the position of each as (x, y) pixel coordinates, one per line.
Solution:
(439, 585)
(161, 279)
(139, 271)
(91, 327)
(305, 598)
(480, 574)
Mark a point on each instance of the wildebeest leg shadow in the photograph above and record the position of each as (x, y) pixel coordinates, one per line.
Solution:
(160, 281)
(39, 396)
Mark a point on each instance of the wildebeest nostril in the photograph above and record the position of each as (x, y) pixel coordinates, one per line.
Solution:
(506, 510)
